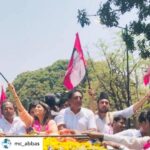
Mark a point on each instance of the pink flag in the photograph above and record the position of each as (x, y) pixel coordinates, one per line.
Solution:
(3, 96)
(76, 68)
(146, 78)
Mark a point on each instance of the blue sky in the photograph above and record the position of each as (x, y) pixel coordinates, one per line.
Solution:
(36, 33)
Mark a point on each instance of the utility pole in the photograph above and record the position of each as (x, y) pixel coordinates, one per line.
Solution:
(128, 79)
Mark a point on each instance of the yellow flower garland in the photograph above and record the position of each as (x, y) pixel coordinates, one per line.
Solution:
(55, 144)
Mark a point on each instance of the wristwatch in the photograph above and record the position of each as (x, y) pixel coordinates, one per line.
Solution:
(101, 138)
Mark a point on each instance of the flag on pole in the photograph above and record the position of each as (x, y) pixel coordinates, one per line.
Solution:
(146, 78)
(3, 96)
(76, 68)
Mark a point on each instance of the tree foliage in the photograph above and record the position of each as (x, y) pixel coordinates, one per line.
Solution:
(35, 85)
(108, 75)
(110, 12)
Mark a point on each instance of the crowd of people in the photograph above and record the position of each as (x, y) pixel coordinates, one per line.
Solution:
(106, 126)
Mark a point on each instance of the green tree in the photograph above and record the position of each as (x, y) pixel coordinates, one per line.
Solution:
(34, 85)
(110, 75)
(109, 14)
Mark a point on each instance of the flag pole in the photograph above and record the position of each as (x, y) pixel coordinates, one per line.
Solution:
(87, 76)
(92, 65)
(4, 77)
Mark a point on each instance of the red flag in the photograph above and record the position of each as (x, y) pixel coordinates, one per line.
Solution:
(3, 96)
(76, 67)
(146, 78)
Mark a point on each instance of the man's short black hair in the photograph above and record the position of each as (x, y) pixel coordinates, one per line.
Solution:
(118, 118)
(50, 99)
(70, 94)
(145, 115)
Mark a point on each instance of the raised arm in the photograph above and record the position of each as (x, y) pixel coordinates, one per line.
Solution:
(92, 100)
(130, 142)
(23, 114)
(16, 98)
(128, 112)
(140, 103)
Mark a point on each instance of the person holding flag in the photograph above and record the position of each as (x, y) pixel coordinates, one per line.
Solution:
(75, 117)
(41, 122)
(104, 117)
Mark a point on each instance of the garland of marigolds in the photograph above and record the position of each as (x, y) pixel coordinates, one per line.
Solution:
(69, 144)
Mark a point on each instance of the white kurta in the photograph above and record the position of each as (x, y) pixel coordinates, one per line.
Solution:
(130, 142)
(17, 127)
(83, 120)
(105, 125)
(130, 133)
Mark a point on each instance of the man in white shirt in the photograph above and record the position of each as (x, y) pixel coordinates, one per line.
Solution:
(130, 142)
(144, 126)
(119, 124)
(76, 117)
(104, 118)
(9, 123)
